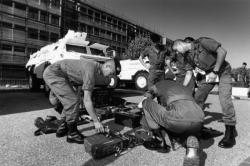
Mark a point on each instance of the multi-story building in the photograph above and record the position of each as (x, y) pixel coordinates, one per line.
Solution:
(27, 25)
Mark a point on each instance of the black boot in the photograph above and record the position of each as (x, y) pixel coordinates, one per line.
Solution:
(192, 157)
(62, 130)
(74, 136)
(228, 140)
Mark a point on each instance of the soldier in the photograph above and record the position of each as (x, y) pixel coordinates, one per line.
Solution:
(208, 56)
(183, 71)
(60, 77)
(156, 56)
(178, 113)
(242, 75)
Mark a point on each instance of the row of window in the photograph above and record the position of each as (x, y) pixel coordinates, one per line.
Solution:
(10, 3)
(102, 18)
(101, 33)
(33, 33)
(33, 13)
(42, 35)
(20, 49)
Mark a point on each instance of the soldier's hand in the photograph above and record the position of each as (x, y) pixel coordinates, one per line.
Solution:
(99, 127)
(211, 77)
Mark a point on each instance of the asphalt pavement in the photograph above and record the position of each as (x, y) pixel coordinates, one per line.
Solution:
(19, 146)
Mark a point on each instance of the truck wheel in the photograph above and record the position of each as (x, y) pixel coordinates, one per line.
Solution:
(141, 81)
(114, 80)
(34, 85)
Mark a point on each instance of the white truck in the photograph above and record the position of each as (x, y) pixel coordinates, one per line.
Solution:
(134, 72)
(72, 46)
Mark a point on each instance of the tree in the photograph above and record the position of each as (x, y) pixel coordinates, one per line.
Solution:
(137, 45)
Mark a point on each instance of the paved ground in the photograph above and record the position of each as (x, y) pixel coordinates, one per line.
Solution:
(18, 145)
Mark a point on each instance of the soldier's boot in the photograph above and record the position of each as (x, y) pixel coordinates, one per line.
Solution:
(192, 157)
(62, 130)
(74, 136)
(228, 140)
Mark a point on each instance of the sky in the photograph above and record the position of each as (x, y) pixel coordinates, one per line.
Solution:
(227, 21)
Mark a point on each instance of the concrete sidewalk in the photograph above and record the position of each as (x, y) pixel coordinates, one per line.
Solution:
(19, 147)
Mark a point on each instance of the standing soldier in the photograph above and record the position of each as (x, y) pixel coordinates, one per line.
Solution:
(156, 56)
(242, 75)
(208, 55)
(183, 71)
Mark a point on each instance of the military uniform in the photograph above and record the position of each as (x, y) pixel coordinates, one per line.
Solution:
(203, 56)
(157, 64)
(178, 111)
(182, 67)
(242, 77)
(61, 76)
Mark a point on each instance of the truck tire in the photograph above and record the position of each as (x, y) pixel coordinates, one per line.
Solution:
(114, 80)
(141, 81)
(34, 84)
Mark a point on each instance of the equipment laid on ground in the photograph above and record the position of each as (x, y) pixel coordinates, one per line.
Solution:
(111, 142)
(47, 126)
(128, 117)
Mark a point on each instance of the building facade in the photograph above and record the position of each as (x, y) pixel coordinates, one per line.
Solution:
(28, 25)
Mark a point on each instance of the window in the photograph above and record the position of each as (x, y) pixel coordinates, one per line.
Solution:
(96, 52)
(114, 37)
(76, 48)
(109, 34)
(31, 51)
(55, 3)
(44, 35)
(97, 31)
(46, 2)
(32, 33)
(90, 12)
(97, 17)
(33, 13)
(19, 49)
(6, 24)
(104, 17)
(83, 27)
(54, 37)
(83, 10)
(19, 27)
(20, 6)
(6, 2)
(119, 38)
(55, 20)
(6, 47)
(90, 30)
(44, 17)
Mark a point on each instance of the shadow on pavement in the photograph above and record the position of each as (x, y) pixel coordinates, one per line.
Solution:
(213, 116)
(128, 92)
(205, 144)
(12, 102)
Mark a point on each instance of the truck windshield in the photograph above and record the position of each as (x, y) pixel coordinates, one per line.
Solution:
(96, 52)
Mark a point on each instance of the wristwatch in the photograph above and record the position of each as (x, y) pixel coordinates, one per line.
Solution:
(215, 72)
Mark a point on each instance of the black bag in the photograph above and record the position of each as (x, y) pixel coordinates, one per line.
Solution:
(47, 126)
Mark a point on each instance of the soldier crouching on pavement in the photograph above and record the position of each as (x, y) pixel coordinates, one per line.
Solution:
(61, 75)
(178, 113)
(207, 55)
